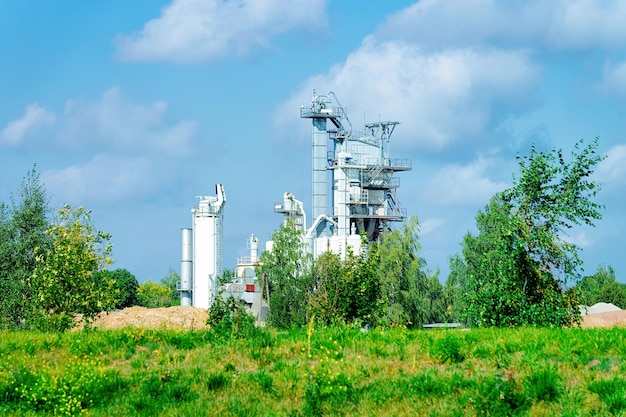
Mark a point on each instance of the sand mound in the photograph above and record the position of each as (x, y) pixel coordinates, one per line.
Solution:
(615, 318)
(171, 317)
(602, 308)
(195, 318)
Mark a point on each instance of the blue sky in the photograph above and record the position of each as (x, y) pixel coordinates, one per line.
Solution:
(132, 109)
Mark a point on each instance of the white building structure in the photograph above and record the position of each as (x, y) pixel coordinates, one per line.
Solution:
(202, 251)
(363, 197)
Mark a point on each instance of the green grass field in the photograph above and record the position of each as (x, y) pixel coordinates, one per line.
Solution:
(314, 372)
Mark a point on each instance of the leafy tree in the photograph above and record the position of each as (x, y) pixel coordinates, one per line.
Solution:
(230, 319)
(514, 271)
(23, 226)
(408, 294)
(602, 287)
(125, 283)
(453, 298)
(65, 281)
(226, 277)
(287, 269)
(171, 281)
(330, 301)
(153, 295)
(344, 290)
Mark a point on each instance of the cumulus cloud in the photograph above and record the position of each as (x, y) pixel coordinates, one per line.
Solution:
(34, 117)
(613, 78)
(581, 240)
(463, 185)
(570, 24)
(104, 178)
(119, 124)
(439, 97)
(195, 30)
(612, 170)
(121, 149)
(430, 225)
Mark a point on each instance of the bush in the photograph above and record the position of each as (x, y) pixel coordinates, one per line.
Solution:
(228, 318)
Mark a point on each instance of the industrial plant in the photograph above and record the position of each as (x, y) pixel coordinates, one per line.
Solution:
(354, 199)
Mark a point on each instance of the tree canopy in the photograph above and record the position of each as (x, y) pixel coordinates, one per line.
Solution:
(386, 284)
(514, 271)
(64, 279)
(23, 225)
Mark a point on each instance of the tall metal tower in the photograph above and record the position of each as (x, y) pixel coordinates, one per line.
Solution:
(364, 199)
(320, 112)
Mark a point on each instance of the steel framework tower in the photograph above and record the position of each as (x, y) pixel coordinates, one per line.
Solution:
(320, 112)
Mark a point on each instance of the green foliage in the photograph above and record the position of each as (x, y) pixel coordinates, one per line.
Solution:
(612, 392)
(228, 318)
(226, 277)
(23, 226)
(345, 290)
(500, 397)
(544, 385)
(287, 269)
(64, 279)
(602, 287)
(385, 285)
(159, 390)
(337, 370)
(78, 385)
(448, 349)
(328, 390)
(125, 284)
(170, 281)
(514, 271)
(408, 295)
(151, 294)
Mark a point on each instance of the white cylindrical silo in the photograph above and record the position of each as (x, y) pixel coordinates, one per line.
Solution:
(186, 267)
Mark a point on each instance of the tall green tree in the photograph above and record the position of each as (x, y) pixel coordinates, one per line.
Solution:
(151, 294)
(23, 226)
(64, 281)
(125, 283)
(514, 271)
(408, 295)
(602, 287)
(171, 281)
(287, 268)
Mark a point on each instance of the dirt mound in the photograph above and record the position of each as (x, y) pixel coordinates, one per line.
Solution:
(606, 319)
(171, 318)
(195, 318)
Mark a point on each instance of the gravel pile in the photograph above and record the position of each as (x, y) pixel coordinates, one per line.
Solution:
(154, 318)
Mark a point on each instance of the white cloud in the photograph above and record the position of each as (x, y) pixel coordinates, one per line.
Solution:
(34, 117)
(194, 30)
(571, 24)
(613, 78)
(105, 178)
(121, 149)
(579, 240)
(430, 225)
(458, 185)
(440, 98)
(118, 124)
(612, 170)
(588, 24)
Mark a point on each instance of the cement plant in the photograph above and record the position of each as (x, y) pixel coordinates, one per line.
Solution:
(363, 201)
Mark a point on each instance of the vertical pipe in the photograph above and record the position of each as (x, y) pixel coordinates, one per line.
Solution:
(319, 167)
(186, 267)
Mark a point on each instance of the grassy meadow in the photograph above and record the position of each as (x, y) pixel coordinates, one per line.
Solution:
(315, 372)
